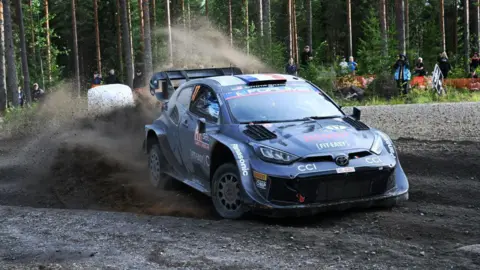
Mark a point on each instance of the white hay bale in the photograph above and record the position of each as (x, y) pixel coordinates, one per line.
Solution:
(106, 98)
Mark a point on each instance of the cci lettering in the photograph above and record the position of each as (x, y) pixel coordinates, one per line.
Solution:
(307, 167)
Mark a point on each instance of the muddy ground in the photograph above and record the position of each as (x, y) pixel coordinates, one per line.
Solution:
(443, 215)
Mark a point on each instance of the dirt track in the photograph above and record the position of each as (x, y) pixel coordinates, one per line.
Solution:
(443, 214)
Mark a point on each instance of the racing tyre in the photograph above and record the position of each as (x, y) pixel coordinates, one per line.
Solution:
(226, 192)
(155, 164)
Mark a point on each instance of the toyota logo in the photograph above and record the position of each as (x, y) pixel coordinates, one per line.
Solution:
(341, 160)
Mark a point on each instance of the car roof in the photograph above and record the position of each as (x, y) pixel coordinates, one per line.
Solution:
(245, 78)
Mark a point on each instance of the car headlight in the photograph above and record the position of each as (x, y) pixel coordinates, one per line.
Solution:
(377, 145)
(276, 156)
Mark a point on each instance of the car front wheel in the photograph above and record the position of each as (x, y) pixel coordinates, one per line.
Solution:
(226, 192)
(155, 163)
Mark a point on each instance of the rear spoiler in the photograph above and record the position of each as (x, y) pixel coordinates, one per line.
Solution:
(166, 78)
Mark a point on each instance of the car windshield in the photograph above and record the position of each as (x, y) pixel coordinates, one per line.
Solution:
(293, 101)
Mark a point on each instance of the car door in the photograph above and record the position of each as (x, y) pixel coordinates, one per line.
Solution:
(179, 106)
(196, 146)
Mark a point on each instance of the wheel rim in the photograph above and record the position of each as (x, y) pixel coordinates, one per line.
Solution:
(154, 164)
(228, 192)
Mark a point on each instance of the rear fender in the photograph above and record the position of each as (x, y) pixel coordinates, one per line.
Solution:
(241, 152)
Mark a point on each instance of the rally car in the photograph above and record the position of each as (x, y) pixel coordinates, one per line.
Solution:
(269, 144)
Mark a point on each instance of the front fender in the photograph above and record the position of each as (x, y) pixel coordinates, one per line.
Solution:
(241, 152)
(157, 129)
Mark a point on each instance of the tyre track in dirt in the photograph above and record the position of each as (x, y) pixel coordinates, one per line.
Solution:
(424, 233)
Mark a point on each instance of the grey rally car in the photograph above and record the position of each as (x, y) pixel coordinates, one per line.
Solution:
(269, 144)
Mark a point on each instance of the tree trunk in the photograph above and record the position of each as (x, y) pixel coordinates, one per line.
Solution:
(170, 43)
(455, 28)
(400, 23)
(3, 89)
(32, 26)
(97, 37)
(206, 8)
(23, 52)
(290, 36)
(260, 20)
(406, 22)
(309, 24)
(75, 50)
(119, 39)
(230, 29)
(126, 42)
(466, 36)
(442, 24)
(268, 24)
(184, 21)
(10, 53)
(142, 26)
(383, 26)
(295, 35)
(147, 56)
(154, 28)
(349, 24)
(49, 46)
(129, 14)
(247, 28)
(477, 23)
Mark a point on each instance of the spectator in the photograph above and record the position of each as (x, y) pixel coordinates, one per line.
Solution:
(37, 93)
(420, 68)
(112, 79)
(444, 65)
(291, 68)
(21, 96)
(343, 66)
(307, 56)
(474, 63)
(139, 80)
(352, 65)
(97, 79)
(402, 73)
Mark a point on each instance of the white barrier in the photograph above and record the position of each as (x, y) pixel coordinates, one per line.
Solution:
(105, 98)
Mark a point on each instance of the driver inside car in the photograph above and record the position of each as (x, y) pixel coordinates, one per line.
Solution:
(211, 104)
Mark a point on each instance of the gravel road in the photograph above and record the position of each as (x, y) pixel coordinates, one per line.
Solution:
(76, 214)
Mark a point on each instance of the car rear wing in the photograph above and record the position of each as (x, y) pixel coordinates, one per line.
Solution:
(162, 83)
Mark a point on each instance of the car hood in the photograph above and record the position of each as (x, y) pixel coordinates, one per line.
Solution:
(313, 138)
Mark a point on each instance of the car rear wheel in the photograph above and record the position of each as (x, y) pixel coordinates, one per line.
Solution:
(226, 192)
(156, 164)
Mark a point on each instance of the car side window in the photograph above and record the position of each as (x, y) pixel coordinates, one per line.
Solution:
(185, 96)
(205, 103)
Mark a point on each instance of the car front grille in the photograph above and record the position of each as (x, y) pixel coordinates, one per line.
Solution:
(330, 188)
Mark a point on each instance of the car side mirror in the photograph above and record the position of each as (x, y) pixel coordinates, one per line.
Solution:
(356, 113)
(202, 125)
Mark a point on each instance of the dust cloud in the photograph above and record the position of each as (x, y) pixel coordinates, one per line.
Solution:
(97, 162)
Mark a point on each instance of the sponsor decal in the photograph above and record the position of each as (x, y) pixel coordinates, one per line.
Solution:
(336, 127)
(373, 160)
(307, 167)
(243, 164)
(261, 184)
(345, 170)
(259, 176)
(202, 139)
(199, 158)
(389, 142)
(195, 92)
(327, 145)
(263, 90)
(325, 136)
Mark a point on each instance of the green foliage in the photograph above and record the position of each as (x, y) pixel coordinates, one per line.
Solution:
(372, 57)
(322, 76)
(17, 119)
